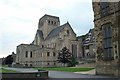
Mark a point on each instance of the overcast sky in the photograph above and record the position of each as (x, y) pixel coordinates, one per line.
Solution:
(19, 19)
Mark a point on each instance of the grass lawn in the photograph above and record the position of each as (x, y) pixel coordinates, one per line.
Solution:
(6, 71)
(66, 69)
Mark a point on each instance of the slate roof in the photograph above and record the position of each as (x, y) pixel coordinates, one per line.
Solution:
(56, 31)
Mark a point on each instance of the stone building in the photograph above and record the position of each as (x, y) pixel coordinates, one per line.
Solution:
(87, 47)
(107, 30)
(50, 38)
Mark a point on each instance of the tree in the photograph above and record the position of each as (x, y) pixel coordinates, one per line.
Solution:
(72, 62)
(64, 56)
(9, 60)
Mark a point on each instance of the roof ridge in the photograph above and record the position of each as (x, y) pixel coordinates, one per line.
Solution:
(49, 16)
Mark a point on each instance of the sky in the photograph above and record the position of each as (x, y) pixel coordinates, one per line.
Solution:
(19, 19)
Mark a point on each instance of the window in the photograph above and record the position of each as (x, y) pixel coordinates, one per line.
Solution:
(48, 64)
(54, 63)
(31, 54)
(107, 42)
(52, 22)
(30, 65)
(26, 54)
(48, 21)
(48, 53)
(54, 54)
(26, 65)
(42, 46)
(67, 31)
(104, 8)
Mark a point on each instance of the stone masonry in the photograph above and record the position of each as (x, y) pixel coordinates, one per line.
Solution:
(107, 30)
(50, 38)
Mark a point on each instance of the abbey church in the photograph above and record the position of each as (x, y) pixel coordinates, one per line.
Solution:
(50, 38)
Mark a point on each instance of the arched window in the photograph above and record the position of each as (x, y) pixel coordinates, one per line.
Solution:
(48, 63)
(68, 32)
(48, 21)
(107, 41)
(26, 65)
(52, 22)
(42, 46)
(30, 65)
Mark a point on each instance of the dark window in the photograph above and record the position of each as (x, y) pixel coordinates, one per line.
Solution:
(48, 53)
(54, 23)
(31, 54)
(26, 65)
(48, 64)
(67, 31)
(51, 22)
(53, 53)
(54, 63)
(26, 54)
(42, 46)
(48, 21)
(115, 46)
(30, 65)
(107, 42)
(104, 8)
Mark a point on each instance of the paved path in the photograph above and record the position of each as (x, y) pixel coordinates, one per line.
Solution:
(90, 72)
(60, 74)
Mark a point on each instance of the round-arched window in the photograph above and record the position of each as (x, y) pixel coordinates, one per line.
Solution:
(67, 31)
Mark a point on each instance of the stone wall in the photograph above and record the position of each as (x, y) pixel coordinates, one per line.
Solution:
(107, 67)
(26, 75)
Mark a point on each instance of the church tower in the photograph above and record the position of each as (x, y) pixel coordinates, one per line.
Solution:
(47, 23)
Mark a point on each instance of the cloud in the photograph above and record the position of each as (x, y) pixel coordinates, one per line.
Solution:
(19, 19)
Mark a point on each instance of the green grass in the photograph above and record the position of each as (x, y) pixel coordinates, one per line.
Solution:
(6, 71)
(66, 69)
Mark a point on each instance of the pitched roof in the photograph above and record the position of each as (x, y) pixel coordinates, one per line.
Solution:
(56, 31)
(49, 16)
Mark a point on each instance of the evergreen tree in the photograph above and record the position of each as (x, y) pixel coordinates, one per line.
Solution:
(64, 56)
(9, 60)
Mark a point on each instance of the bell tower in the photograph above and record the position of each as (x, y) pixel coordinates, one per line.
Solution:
(47, 23)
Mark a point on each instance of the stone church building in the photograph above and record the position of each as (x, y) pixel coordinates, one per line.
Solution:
(107, 34)
(50, 38)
